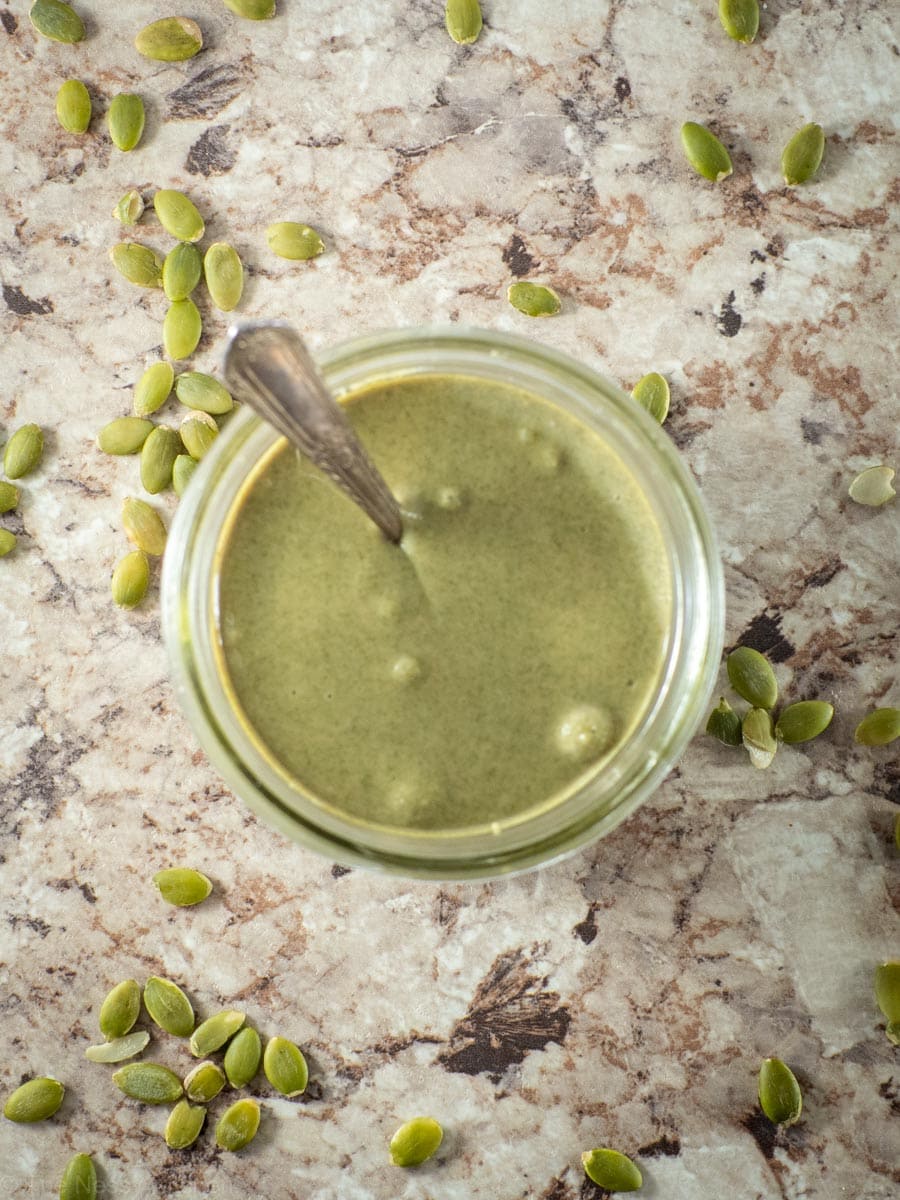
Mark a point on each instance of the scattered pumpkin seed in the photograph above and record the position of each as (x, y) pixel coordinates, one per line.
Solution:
(533, 299)
(9, 496)
(198, 432)
(73, 106)
(802, 155)
(137, 263)
(184, 1125)
(887, 990)
(705, 152)
(178, 215)
(725, 724)
(149, 1082)
(611, 1170)
(119, 1049)
(803, 721)
(7, 542)
(752, 677)
(224, 275)
(242, 1057)
(203, 393)
(892, 1029)
(158, 455)
(168, 1006)
(143, 525)
(252, 10)
(285, 1067)
(120, 1010)
(79, 1181)
(779, 1092)
(171, 39)
(182, 886)
(237, 1126)
(652, 393)
(740, 19)
(288, 239)
(183, 469)
(35, 1100)
(124, 435)
(759, 737)
(873, 486)
(57, 21)
(125, 120)
(23, 451)
(215, 1032)
(181, 329)
(463, 20)
(130, 208)
(130, 579)
(879, 727)
(181, 271)
(152, 389)
(204, 1082)
(415, 1140)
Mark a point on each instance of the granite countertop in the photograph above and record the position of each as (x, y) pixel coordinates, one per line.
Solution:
(626, 996)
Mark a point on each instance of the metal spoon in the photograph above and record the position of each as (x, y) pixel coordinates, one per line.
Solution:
(268, 367)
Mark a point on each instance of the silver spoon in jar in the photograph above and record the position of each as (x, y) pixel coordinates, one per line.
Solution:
(269, 368)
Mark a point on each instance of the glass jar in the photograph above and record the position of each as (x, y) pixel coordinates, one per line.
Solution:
(629, 776)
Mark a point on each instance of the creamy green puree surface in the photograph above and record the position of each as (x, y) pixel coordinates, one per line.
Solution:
(472, 674)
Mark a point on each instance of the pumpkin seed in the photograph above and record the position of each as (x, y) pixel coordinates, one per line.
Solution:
(178, 215)
(238, 1125)
(183, 469)
(171, 39)
(252, 10)
(740, 19)
(73, 106)
(779, 1093)
(168, 1006)
(7, 542)
(892, 1029)
(533, 299)
(887, 990)
(224, 275)
(725, 724)
(130, 579)
(130, 208)
(79, 1181)
(242, 1057)
(803, 721)
(152, 389)
(57, 21)
(652, 393)
(124, 435)
(158, 455)
(23, 451)
(35, 1100)
(119, 1048)
(182, 886)
(184, 1125)
(198, 432)
(288, 239)
(705, 152)
(215, 1032)
(125, 120)
(611, 1170)
(143, 525)
(204, 1083)
(149, 1082)
(181, 329)
(751, 677)
(463, 20)
(285, 1067)
(203, 393)
(181, 271)
(415, 1141)
(138, 264)
(802, 155)
(873, 486)
(879, 727)
(759, 737)
(9, 496)
(120, 1010)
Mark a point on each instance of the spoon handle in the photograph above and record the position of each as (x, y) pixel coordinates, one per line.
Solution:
(268, 366)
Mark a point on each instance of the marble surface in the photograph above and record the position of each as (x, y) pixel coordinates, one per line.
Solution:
(626, 996)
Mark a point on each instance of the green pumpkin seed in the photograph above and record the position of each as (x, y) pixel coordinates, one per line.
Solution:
(124, 435)
(533, 299)
(252, 10)
(171, 39)
(120, 1010)
(705, 152)
(182, 471)
(463, 20)
(57, 21)
(143, 525)
(79, 1181)
(873, 486)
(178, 215)
(751, 677)
(740, 19)
(415, 1141)
(288, 239)
(181, 271)
(149, 1082)
(73, 106)
(892, 1029)
(759, 737)
(198, 432)
(652, 393)
(152, 389)
(158, 455)
(138, 264)
(204, 1083)
(802, 155)
(7, 542)
(803, 721)
(181, 329)
(23, 451)
(285, 1067)
(119, 1049)
(887, 990)
(184, 1125)
(879, 727)
(9, 496)
(168, 1006)
(182, 886)
(35, 1100)
(238, 1125)
(611, 1170)
(125, 120)
(779, 1092)
(203, 393)
(242, 1057)
(215, 1032)
(130, 579)
(130, 208)
(224, 275)
(725, 724)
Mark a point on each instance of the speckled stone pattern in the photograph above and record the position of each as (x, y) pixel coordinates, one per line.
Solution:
(625, 997)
